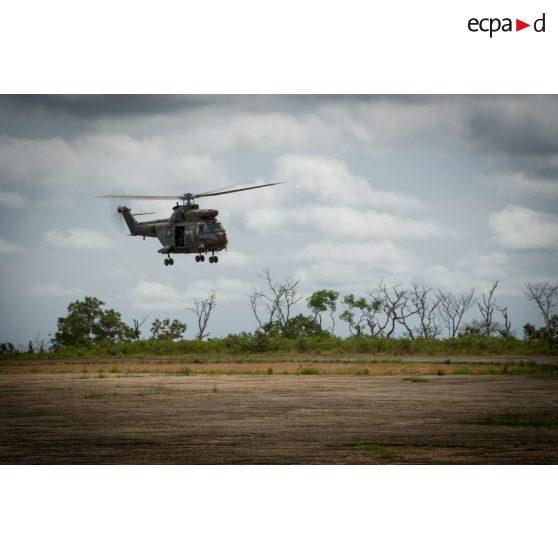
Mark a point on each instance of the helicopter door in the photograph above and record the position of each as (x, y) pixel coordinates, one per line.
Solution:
(188, 237)
(179, 237)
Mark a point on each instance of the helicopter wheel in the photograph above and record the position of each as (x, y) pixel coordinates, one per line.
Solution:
(166, 261)
(171, 261)
(197, 258)
(210, 259)
(215, 259)
(202, 258)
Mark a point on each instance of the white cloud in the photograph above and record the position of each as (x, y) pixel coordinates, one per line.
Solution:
(11, 199)
(9, 247)
(151, 295)
(343, 222)
(54, 170)
(51, 290)
(473, 270)
(323, 125)
(490, 266)
(521, 228)
(328, 181)
(352, 263)
(322, 197)
(235, 258)
(78, 239)
(517, 184)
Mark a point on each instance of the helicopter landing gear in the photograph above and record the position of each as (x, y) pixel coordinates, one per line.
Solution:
(200, 258)
(169, 261)
(213, 259)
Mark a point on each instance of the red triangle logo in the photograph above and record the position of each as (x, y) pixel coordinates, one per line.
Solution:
(519, 25)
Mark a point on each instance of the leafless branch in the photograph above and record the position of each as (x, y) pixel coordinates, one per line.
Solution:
(276, 301)
(202, 309)
(452, 308)
(137, 325)
(545, 296)
(486, 308)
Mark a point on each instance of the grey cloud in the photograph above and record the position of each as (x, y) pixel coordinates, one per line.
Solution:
(399, 187)
(518, 132)
(95, 106)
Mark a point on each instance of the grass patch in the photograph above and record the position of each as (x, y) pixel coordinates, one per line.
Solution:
(519, 420)
(521, 369)
(417, 379)
(101, 375)
(307, 371)
(56, 388)
(214, 389)
(94, 395)
(365, 372)
(114, 370)
(269, 371)
(440, 372)
(380, 452)
(184, 371)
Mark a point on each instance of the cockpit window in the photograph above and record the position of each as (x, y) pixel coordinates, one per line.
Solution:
(213, 226)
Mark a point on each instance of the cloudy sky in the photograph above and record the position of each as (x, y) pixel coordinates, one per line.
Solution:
(452, 191)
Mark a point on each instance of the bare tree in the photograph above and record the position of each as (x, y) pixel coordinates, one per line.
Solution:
(273, 305)
(397, 309)
(505, 329)
(545, 296)
(488, 326)
(136, 327)
(425, 307)
(451, 309)
(202, 309)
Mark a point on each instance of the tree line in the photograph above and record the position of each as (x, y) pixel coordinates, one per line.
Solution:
(413, 312)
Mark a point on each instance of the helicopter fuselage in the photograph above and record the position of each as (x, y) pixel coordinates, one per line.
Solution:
(189, 230)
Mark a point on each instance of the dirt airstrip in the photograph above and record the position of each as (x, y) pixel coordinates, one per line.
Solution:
(277, 412)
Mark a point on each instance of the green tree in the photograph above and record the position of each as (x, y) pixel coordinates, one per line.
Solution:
(165, 329)
(355, 314)
(87, 324)
(302, 326)
(548, 333)
(322, 301)
(7, 349)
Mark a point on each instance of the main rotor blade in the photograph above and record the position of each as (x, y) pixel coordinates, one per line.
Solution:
(215, 193)
(130, 197)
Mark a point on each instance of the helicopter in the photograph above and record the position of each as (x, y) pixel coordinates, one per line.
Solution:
(189, 229)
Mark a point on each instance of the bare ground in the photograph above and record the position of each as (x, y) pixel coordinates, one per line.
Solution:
(79, 416)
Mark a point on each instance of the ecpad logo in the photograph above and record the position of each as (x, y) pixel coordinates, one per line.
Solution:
(493, 25)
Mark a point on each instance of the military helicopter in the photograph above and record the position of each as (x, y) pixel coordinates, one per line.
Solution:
(189, 230)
